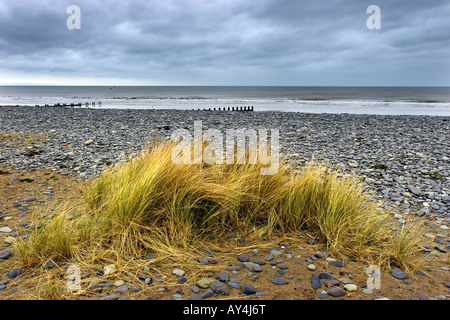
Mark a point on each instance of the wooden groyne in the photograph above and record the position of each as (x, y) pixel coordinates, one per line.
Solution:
(246, 108)
(79, 104)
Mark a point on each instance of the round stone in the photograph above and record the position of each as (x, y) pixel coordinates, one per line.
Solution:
(223, 277)
(350, 287)
(243, 257)
(367, 291)
(398, 274)
(335, 292)
(311, 267)
(178, 272)
(119, 283)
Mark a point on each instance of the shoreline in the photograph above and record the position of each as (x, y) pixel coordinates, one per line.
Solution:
(205, 109)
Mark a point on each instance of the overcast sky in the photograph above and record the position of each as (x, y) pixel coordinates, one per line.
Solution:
(226, 42)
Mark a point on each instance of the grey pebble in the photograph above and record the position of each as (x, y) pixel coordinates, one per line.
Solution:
(248, 289)
(243, 257)
(335, 292)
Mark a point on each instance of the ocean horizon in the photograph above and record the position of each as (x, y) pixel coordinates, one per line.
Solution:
(433, 101)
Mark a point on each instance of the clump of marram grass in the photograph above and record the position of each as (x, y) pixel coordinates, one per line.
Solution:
(150, 204)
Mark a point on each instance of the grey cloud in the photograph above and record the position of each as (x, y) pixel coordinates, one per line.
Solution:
(234, 42)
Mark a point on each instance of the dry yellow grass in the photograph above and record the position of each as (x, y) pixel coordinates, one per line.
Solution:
(151, 205)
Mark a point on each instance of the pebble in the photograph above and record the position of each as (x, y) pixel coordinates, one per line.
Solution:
(350, 287)
(248, 289)
(121, 289)
(136, 288)
(315, 282)
(5, 254)
(109, 269)
(119, 283)
(268, 257)
(204, 282)
(203, 260)
(338, 263)
(275, 253)
(311, 267)
(335, 292)
(234, 284)
(321, 254)
(209, 293)
(178, 272)
(5, 229)
(195, 289)
(13, 273)
(111, 297)
(398, 274)
(278, 281)
(219, 288)
(182, 280)
(223, 277)
(252, 266)
(243, 257)
(367, 291)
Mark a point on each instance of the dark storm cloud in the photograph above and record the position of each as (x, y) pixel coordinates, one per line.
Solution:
(260, 42)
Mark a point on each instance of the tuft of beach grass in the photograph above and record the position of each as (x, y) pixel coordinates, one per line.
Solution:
(150, 205)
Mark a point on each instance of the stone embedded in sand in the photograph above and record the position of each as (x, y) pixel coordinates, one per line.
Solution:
(350, 287)
(311, 266)
(243, 257)
(5, 254)
(278, 281)
(320, 254)
(178, 272)
(119, 283)
(203, 260)
(315, 282)
(252, 266)
(220, 288)
(399, 274)
(248, 289)
(109, 269)
(121, 289)
(223, 277)
(13, 273)
(6, 229)
(204, 282)
(336, 292)
(338, 263)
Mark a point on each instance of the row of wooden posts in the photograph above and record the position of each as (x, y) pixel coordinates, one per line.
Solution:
(231, 109)
(79, 104)
(87, 104)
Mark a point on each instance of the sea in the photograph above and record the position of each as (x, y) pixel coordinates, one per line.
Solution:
(434, 101)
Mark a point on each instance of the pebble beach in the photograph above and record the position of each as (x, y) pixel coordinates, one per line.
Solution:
(404, 160)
